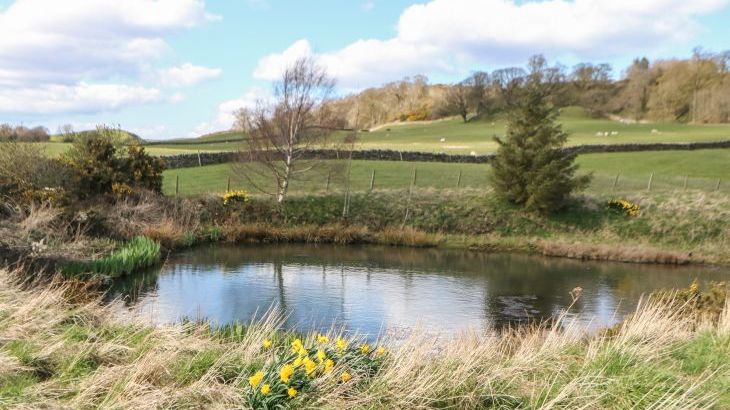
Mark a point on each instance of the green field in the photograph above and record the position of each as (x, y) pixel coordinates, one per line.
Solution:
(461, 138)
(703, 169)
(477, 136)
(57, 148)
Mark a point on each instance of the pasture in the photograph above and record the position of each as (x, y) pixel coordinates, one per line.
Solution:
(701, 168)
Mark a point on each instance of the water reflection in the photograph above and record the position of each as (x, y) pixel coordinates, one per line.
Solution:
(369, 288)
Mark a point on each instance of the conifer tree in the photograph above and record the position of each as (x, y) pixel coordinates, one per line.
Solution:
(530, 169)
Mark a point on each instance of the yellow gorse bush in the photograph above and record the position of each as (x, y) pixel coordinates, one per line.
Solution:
(235, 197)
(624, 206)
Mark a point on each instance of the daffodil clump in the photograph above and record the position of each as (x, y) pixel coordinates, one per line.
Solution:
(235, 197)
(624, 206)
(298, 367)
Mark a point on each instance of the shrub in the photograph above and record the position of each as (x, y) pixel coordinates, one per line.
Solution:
(143, 170)
(28, 175)
(624, 206)
(235, 197)
(99, 168)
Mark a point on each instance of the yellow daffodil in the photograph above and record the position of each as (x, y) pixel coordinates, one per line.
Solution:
(309, 365)
(256, 379)
(380, 351)
(322, 339)
(265, 389)
(365, 349)
(328, 365)
(292, 392)
(341, 343)
(345, 377)
(321, 355)
(266, 343)
(286, 373)
(297, 346)
(298, 361)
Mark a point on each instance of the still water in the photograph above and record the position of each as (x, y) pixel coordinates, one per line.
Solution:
(371, 289)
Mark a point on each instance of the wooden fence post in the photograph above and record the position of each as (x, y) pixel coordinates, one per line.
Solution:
(200, 161)
(329, 176)
(372, 180)
(651, 179)
(228, 187)
(684, 186)
(177, 185)
(458, 180)
(717, 187)
(615, 181)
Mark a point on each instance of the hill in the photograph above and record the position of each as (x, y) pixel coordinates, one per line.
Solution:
(119, 135)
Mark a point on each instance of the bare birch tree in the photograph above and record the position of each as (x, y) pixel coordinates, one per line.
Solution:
(282, 130)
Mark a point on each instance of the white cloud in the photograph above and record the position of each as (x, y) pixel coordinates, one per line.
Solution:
(448, 35)
(225, 117)
(187, 74)
(79, 98)
(64, 46)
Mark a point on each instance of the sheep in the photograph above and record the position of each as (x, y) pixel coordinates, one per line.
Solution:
(443, 139)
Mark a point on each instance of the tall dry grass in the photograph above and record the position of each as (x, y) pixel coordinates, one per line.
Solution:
(58, 354)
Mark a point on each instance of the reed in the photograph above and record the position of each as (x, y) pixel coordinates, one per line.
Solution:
(136, 254)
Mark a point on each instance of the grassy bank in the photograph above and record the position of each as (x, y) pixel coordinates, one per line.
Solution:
(55, 354)
(674, 227)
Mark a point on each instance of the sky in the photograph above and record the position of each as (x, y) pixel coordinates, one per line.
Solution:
(180, 68)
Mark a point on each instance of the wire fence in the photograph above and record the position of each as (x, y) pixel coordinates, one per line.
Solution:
(363, 179)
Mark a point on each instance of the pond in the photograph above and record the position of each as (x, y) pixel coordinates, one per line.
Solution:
(368, 289)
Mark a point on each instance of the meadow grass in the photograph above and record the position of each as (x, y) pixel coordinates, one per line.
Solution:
(58, 354)
(136, 254)
(463, 138)
(703, 168)
(478, 135)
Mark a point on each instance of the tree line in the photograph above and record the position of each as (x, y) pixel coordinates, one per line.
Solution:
(693, 90)
(21, 133)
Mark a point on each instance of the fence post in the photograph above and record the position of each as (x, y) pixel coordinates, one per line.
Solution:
(228, 187)
(200, 161)
(414, 180)
(458, 180)
(329, 176)
(372, 180)
(651, 178)
(717, 187)
(615, 181)
(684, 187)
(177, 185)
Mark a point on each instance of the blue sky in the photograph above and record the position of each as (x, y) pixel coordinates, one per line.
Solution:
(178, 68)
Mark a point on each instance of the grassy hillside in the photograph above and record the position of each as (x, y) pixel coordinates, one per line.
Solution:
(477, 135)
(703, 167)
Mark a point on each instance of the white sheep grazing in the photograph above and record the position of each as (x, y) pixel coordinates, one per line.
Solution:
(655, 131)
(614, 132)
(443, 139)
(599, 134)
(473, 154)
